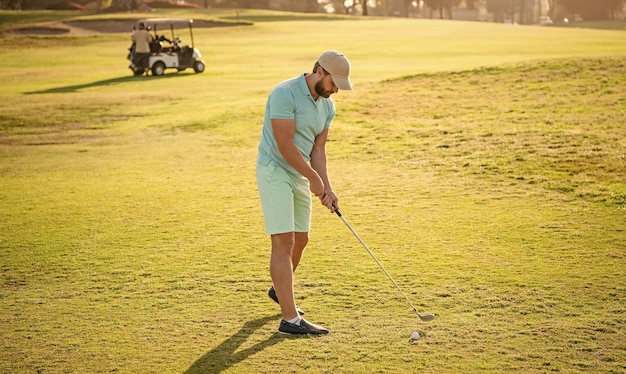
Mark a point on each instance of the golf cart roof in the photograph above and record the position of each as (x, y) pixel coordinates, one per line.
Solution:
(165, 21)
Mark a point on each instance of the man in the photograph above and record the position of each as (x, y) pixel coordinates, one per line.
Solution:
(141, 38)
(291, 165)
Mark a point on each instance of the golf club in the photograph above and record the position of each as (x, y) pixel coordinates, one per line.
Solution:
(423, 317)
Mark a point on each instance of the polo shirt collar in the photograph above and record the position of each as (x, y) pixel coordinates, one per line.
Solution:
(303, 87)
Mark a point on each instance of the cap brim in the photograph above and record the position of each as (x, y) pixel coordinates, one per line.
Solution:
(342, 83)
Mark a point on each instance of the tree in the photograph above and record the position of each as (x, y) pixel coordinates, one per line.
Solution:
(593, 10)
(507, 9)
(363, 6)
(407, 5)
(258, 4)
(442, 5)
(312, 6)
(343, 6)
(125, 5)
(525, 10)
(499, 8)
(11, 4)
(306, 6)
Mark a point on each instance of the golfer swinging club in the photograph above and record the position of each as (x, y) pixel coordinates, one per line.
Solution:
(291, 165)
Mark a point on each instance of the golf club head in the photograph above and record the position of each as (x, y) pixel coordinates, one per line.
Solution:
(426, 317)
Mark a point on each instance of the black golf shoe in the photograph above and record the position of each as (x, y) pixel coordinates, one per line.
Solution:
(272, 294)
(304, 328)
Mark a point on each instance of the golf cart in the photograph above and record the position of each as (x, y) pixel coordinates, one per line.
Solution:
(171, 55)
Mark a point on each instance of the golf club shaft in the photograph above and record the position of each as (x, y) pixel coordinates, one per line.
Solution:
(427, 317)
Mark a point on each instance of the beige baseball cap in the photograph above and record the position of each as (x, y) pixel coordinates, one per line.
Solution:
(337, 64)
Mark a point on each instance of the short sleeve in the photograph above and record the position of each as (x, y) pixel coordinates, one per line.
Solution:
(282, 104)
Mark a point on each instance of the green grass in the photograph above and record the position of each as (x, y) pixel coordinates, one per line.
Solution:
(483, 164)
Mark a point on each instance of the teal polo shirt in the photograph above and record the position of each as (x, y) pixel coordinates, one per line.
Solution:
(291, 99)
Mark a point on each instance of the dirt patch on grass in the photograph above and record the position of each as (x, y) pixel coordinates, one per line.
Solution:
(41, 30)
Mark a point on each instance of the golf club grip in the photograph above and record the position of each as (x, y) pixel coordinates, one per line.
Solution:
(337, 211)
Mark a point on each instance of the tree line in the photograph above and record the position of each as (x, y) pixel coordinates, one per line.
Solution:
(519, 11)
(587, 9)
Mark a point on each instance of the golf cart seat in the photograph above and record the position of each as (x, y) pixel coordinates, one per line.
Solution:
(155, 46)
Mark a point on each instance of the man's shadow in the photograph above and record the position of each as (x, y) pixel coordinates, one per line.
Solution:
(224, 356)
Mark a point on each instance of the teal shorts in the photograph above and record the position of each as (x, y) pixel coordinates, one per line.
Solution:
(285, 197)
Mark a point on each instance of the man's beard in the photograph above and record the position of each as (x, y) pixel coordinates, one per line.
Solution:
(319, 89)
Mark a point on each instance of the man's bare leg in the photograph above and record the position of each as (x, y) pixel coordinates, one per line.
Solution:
(286, 254)
(281, 270)
(301, 240)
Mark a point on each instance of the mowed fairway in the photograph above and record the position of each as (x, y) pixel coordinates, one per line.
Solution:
(484, 164)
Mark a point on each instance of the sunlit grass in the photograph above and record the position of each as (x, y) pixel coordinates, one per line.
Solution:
(132, 238)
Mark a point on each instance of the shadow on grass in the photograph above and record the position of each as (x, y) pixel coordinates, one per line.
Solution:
(106, 82)
(225, 356)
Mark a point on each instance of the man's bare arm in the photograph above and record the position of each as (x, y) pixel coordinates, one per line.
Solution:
(284, 132)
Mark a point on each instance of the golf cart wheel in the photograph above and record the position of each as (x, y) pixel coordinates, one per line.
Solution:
(198, 66)
(158, 68)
